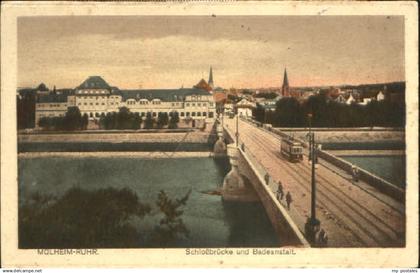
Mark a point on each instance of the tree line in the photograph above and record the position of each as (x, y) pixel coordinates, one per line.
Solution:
(25, 105)
(72, 120)
(290, 112)
(101, 218)
(121, 120)
(124, 119)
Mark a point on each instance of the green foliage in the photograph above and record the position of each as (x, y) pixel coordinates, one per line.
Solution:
(232, 98)
(124, 119)
(101, 218)
(171, 225)
(149, 122)
(173, 122)
(71, 121)
(26, 110)
(162, 119)
(270, 95)
(258, 113)
(81, 218)
(325, 113)
(85, 121)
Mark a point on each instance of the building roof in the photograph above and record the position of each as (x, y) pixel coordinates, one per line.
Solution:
(162, 94)
(42, 87)
(27, 91)
(53, 98)
(94, 82)
(219, 96)
(202, 84)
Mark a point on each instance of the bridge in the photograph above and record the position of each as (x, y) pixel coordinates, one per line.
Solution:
(353, 214)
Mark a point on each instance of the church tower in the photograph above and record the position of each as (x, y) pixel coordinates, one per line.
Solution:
(285, 92)
(210, 82)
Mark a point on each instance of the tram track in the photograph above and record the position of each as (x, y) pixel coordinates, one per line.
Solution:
(378, 225)
(322, 203)
(394, 208)
(326, 180)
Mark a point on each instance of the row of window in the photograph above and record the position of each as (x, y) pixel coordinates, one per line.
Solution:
(155, 114)
(93, 97)
(52, 105)
(92, 91)
(198, 104)
(128, 103)
(91, 103)
(50, 115)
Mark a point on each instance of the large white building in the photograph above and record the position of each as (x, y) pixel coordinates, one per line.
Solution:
(95, 98)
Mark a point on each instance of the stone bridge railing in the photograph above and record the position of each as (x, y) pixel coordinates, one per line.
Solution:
(288, 228)
(368, 177)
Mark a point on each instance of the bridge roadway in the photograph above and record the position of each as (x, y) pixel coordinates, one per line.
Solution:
(352, 214)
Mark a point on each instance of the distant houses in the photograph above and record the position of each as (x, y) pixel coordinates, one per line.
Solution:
(244, 107)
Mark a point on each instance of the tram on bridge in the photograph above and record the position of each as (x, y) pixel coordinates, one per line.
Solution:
(292, 150)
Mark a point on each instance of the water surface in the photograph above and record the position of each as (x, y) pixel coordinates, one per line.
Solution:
(390, 168)
(212, 222)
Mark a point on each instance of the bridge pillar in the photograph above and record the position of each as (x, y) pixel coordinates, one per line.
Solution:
(219, 149)
(237, 187)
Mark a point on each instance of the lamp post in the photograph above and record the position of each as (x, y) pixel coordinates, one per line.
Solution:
(310, 134)
(223, 113)
(237, 125)
(312, 225)
(265, 116)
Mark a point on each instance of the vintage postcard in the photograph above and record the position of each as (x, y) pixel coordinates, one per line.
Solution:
(209, 134)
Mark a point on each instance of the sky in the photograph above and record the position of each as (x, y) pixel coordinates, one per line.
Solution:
(245, 51)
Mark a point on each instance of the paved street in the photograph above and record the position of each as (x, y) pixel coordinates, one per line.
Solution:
(352, 214)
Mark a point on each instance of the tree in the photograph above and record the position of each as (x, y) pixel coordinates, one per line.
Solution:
(85, 121)
(258, 113)
(136, 121)
(72, 119)
(173, 122)
(270, 95)
(149, 122)
(100, 218)
(81, 219)
(162, 119)
(122, 120)
(26, 109)
(287, 114)
(171, 225)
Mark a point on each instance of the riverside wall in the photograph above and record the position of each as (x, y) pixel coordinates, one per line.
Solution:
(368, 177)
(340, 135)
(163, 140)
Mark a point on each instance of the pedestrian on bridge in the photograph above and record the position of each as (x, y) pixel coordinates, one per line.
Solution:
(267, 178)
(355, 173)
(322, 238)
(288, 200)
(280, 192)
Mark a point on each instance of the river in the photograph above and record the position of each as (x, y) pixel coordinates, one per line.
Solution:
(211, 222)
(390, 168)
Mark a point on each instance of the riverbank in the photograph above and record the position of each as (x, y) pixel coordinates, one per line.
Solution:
(148, 155)
(118, 137)
(367, 152)
(119, 141)
(349, 136)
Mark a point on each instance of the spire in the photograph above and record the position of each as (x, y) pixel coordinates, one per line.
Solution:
(211, 84)
(285, 88)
